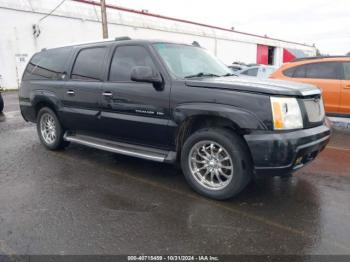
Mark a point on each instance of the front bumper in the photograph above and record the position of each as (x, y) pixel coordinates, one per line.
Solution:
(283, 153)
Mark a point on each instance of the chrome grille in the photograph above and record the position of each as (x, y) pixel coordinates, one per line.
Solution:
(314, 109)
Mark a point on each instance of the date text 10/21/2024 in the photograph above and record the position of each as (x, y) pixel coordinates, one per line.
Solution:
(173, 258)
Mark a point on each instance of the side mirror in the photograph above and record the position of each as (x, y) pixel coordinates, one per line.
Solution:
(147, 75)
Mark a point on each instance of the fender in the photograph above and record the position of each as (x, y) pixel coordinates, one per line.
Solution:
(29, 101)
(243, 118)
(45, 96)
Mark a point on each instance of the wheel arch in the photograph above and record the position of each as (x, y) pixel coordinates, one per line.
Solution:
(45, 99)
(195, 116)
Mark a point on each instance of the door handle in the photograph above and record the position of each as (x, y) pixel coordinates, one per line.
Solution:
(107, 94)
(70, 93)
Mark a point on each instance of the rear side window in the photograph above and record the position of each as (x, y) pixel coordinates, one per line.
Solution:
(124, 59)
(251, 72)
(300, 71)
(88, 64)
(48, 64)
(325, 70)
(346, 67)
(289, 72)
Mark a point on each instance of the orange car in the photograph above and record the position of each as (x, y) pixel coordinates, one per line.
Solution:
(331, 74)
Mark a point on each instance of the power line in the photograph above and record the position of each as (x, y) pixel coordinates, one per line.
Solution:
(53, 10)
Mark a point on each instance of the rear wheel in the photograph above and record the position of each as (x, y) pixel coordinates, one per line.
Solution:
(50, 130)
(216, 163)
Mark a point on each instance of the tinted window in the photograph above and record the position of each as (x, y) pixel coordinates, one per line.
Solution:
(346, 67)
(48, 64)
(300, 72)
(88, 64)
(125, 58)
(251, 72)
(325, 70)
(289, 72)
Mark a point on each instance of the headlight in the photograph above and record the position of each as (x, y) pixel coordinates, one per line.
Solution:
(286, 113)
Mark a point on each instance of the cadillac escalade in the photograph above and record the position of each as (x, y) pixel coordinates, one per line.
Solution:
(173, 103)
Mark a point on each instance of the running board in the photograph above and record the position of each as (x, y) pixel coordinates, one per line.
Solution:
(122, 148)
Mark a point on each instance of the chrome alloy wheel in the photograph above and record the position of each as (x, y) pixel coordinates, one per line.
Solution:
(211, 165)
(48, 128)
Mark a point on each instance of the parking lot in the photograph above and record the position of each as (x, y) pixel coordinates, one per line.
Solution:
(86, 201)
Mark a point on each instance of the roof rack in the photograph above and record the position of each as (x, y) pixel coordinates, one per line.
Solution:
(318, 57)
(121, 38)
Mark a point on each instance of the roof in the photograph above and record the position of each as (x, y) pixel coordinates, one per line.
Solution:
(118, 39)
(91, 2)
(320, 58)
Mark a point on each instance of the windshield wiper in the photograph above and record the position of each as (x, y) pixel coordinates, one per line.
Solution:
(201, 74)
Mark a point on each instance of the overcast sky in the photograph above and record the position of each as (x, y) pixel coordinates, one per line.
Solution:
(323, 22)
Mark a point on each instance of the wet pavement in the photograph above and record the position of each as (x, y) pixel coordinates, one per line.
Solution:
(86, 201)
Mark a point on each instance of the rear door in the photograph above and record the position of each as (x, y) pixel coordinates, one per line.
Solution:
(134, 111)
(345, 91)
(82, 89)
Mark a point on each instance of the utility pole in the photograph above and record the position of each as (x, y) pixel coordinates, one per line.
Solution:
(104, 19)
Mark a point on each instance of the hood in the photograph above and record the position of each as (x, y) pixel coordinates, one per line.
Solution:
(252, 84)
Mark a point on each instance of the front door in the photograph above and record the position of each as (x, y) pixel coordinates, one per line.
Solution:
(132, 111)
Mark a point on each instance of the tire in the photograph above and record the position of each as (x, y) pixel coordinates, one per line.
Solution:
(1, 103)
(233, 153)
(50, 130)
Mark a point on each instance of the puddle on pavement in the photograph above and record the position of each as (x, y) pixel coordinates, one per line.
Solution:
(121, 203)
(2, 117)
(9, 115)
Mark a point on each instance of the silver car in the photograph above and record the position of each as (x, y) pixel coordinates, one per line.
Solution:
(260, 71)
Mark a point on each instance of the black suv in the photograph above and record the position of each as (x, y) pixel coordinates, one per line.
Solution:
(173, 103)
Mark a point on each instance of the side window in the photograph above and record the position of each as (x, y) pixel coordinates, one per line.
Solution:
(88, 64)
(48, 64)
(300, 72)
(124, 59)
(289, 72)
(346, 67)
(325, 70)
(251, 72)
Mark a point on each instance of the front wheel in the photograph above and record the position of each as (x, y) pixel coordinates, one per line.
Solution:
(216, 163)
(50, 130)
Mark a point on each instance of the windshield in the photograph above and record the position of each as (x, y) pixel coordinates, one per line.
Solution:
(189, 61)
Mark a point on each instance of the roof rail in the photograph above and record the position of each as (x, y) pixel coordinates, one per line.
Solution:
(122, 38)
(319, 57)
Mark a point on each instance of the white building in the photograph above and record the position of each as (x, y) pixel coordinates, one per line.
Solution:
(79, 21)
